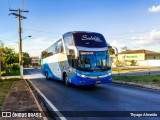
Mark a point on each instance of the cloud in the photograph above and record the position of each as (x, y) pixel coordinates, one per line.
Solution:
(118, 45)
(154, 9)
(150, 39)
(131, 30)
(8, 37)
(35, 46)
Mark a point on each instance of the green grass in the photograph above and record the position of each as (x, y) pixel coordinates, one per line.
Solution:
(5, 86)
(145, 79)
(116, 70)
(122, 70)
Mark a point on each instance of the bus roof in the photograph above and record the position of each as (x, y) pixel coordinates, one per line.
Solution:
(71, 32)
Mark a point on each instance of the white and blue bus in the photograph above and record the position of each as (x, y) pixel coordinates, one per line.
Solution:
(80, 58)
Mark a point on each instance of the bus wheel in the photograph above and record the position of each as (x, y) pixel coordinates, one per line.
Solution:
(47, 76)
(66, 80)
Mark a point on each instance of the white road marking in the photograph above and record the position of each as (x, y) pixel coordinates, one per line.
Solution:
(49, 103)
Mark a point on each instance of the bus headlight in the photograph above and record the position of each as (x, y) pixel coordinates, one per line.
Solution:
(109, 74)
(84, 76)
(94, 77)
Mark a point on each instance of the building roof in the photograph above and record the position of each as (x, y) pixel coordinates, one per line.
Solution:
(34, 57)
(138, 51)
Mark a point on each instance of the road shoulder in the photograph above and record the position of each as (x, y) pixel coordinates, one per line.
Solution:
(137, 84)
(20, 99)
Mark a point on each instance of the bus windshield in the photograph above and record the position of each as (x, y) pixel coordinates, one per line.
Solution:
(94, 61)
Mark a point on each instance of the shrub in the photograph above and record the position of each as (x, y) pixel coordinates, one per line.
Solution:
(133, 62)
(12, 72)
(3, 73)
(120, 63)
(15, 66)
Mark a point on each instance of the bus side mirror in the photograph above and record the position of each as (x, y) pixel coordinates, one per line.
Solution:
(115, 50)
(71, 52)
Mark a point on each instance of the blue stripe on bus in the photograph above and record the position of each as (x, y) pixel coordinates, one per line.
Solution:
(47, 68)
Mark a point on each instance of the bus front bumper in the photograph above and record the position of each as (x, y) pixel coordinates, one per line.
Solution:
(83, 80)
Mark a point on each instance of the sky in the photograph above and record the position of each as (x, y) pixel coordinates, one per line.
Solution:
(131, 24)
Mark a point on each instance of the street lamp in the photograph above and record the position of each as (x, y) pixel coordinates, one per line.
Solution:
(20, 55)
(26, 37)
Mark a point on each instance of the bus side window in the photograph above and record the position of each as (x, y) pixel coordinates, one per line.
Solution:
(56, 50)
(61, 50)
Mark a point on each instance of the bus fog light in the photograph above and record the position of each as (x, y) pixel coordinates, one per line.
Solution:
(82, 81)
(98, 81)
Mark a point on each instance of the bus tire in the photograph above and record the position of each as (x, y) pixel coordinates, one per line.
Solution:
(47, 76)
(66, 80)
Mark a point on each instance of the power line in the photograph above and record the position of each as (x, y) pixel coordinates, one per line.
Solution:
(9, 4)
(105, 34)
(128, 33)
(6, 39)
(22, 12)
(125, 38)
(41, 31)
(130, 38)
(22, 4)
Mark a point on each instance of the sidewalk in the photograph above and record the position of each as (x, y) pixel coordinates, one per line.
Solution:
(138, 84)
(9, 77)
(20, 99)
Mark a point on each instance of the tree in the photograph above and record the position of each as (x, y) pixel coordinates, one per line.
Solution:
(125, 48)
(9, 57)
(26, 59)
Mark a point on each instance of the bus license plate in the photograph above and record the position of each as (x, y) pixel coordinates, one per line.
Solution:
(98, 81)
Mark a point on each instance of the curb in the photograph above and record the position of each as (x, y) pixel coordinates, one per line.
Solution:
(38, 69)
(136, 84)
(52, 112)
(36, 101)
(39, 99)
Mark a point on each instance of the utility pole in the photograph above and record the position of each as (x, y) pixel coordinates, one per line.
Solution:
(20, 17)
(1, 54)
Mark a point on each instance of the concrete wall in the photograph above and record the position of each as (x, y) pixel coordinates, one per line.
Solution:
(149, 63)
(152, 57)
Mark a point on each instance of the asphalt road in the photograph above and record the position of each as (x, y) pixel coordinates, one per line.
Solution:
(102, 97)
